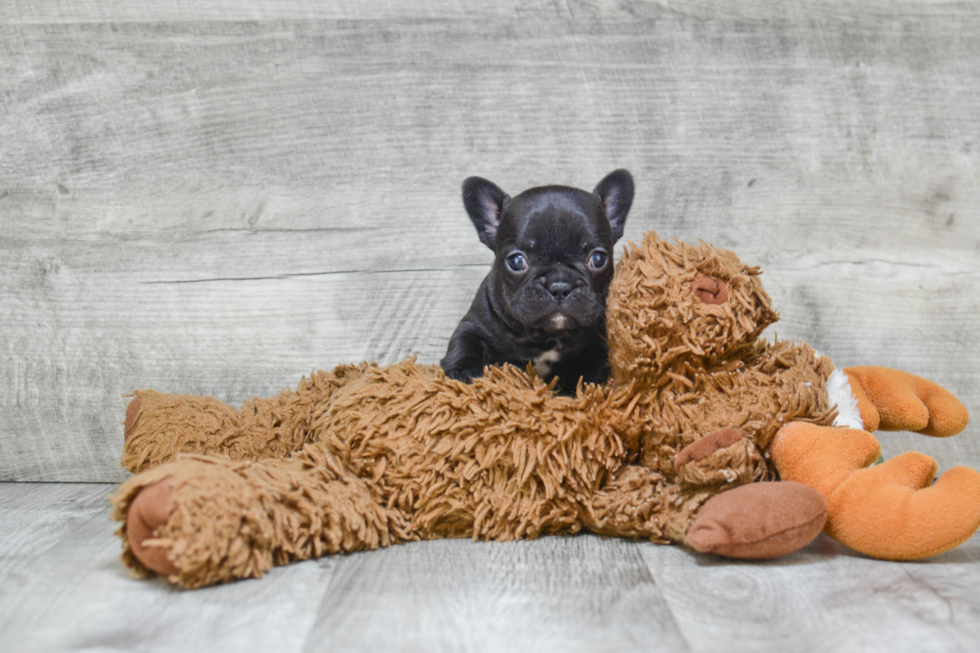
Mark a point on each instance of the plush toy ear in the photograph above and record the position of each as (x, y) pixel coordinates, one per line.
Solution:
(484, 202)
(616, 194)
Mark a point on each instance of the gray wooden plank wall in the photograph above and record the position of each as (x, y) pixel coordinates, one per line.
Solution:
(217, 197)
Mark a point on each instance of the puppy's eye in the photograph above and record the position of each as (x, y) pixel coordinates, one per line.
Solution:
(597, 259)
(517, 262)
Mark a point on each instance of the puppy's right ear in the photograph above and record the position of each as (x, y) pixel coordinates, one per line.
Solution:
(615, 192)
(485, 202)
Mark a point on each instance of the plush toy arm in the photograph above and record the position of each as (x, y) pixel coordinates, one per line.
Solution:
(160, 426)
(892, 400)
(752, 521)
(638, 502)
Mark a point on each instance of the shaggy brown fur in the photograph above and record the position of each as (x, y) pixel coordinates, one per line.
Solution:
(367, 456)
(697, 366)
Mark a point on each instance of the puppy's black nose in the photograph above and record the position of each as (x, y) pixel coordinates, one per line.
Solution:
(559, 289)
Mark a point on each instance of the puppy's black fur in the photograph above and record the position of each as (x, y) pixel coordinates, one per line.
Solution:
(544, 300)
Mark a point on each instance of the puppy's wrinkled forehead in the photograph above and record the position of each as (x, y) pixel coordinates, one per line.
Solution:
(561, 218)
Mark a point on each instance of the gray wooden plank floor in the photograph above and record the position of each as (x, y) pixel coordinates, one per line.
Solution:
(62, 588)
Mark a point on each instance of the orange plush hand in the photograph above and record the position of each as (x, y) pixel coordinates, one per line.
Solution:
(892, 400)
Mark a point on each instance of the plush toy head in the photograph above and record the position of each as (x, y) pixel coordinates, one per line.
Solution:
(684, 324)
(673, 305)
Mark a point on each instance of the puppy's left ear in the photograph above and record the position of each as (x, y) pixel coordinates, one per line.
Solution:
(615, 192)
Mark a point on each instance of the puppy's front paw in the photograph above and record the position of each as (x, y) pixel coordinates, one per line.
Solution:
(466, 375)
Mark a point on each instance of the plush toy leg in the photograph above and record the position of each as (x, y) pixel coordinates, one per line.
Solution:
(159, 426)
(204, 520)
(889, 511)
(892, 400)
(639, 502)
(753, 521)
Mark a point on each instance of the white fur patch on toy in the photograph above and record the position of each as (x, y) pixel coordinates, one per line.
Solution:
(839, 392)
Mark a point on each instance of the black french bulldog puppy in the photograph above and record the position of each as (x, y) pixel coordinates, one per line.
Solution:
(544, 301)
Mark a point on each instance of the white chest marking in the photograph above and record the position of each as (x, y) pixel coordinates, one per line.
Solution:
(544, 362)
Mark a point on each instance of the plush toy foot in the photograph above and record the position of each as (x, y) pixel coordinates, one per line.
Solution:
(150, 510)
(892, 400)
(759, 521)
(888, 511)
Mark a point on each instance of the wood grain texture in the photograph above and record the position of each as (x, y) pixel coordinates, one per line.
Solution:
(823, 598)
(219, 197)
(87, 11)
(65, 590)
(554, 594)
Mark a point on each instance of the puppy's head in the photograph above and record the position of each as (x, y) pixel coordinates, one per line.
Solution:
(553, 246)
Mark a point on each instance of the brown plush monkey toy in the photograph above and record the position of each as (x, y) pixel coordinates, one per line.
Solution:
(686, 444)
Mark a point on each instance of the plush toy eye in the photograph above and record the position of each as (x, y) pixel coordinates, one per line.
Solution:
(517, 262)
(597, 259)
